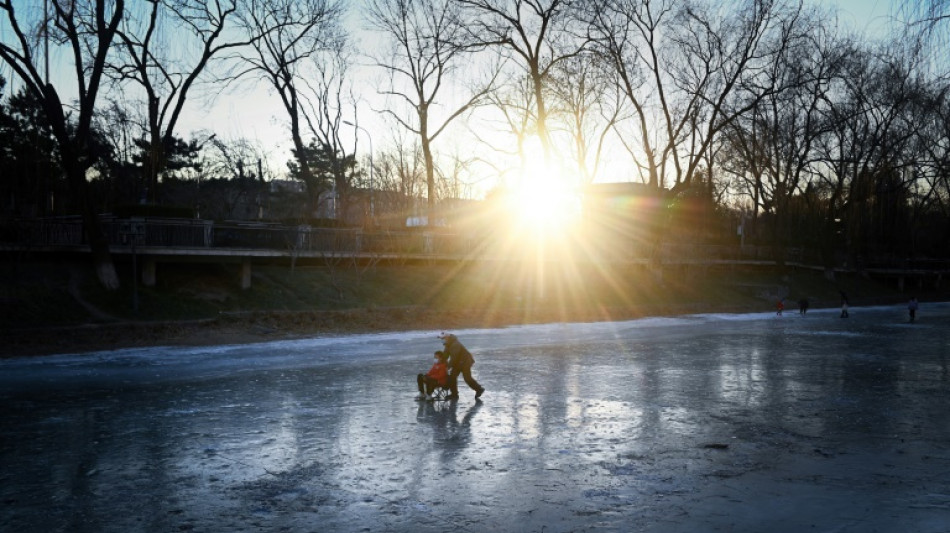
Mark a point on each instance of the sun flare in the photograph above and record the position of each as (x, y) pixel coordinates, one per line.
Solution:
(543, 199)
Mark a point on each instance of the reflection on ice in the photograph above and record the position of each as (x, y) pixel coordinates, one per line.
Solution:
(615, 426)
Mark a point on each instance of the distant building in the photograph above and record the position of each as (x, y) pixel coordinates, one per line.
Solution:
(423, 220)
(286, 186)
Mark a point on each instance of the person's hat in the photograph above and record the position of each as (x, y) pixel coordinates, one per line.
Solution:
(447, 337)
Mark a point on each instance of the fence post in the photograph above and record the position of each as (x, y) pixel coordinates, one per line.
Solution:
(148, 272)
(246, 273)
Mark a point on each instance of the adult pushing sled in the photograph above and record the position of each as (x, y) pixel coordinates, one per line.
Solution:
(460, 362)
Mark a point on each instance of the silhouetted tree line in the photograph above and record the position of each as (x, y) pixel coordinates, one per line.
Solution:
(762, 114)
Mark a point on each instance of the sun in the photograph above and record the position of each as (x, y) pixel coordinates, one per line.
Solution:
(543, 198)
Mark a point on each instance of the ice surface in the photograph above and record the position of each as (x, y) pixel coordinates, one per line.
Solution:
(750, 422)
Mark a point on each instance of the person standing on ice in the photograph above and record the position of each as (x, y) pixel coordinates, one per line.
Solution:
(460, 362)
(912, 308)
(803, 306)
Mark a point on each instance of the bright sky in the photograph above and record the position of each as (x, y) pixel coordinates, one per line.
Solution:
(235, 119)
(259, 116)
(865, 15)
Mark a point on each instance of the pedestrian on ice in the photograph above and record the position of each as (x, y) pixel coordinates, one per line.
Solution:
(844, 305)
(912, 308)
(803, 306)
(460, 362)
(437, 376)
(781, 306)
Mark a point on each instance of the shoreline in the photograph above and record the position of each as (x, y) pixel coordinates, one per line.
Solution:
(263, 326)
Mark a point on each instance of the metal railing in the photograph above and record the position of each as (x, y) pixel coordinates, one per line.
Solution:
(302, 239)
(183, 233)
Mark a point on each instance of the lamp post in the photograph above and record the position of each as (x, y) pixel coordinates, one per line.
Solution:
(372, 190)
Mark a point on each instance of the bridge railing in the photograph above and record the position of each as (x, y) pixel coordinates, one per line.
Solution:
(186, 233)
(183, 233)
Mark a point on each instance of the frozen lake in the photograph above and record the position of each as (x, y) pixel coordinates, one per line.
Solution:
(698, 423)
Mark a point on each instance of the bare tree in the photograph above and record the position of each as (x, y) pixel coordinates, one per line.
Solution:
(147, 60)
(928, 21)
(680, 65)
(292, 34)
(233, 159)
(687, 70)
(539, 33)
(400, 178)
(771, 148)
(425, 50)
(87, 30)
(121, 126)
(933, 167)
(454, 177)
(329, 98)
(931, 15)
(514, 102)
(871, 124)
(591, 107)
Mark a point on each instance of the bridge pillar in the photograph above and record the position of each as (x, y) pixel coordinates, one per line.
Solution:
(148, 272)
(246, 273)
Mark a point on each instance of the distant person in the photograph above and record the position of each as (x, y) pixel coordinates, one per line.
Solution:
(781, 307)
(460, 362)
(912, 308)
(803, 306)
(844, 305)
(437, 376)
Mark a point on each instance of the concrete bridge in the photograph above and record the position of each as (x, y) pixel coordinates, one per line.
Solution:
(184, 240)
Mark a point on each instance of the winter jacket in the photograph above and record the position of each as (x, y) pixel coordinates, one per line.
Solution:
(459, 356)
(440, 373)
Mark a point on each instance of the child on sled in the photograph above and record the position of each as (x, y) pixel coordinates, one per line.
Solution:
(437, 376)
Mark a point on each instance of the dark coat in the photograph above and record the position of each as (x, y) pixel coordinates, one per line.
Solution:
(459, 356)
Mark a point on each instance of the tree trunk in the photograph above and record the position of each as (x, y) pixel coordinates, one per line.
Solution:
(98, 244)
(430, 182)
(426, 143)
(75, 166)
(827, 247)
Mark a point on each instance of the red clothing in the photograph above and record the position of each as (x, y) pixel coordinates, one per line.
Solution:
(440, 373)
